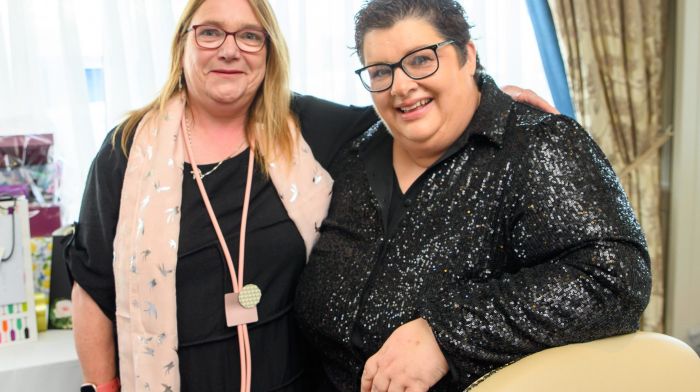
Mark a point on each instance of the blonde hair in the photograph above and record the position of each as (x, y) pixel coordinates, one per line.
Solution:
(270, 110)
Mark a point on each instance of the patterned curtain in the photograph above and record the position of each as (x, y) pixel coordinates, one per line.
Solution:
(613, 51)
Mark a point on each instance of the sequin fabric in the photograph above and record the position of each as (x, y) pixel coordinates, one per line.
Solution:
(522, 239)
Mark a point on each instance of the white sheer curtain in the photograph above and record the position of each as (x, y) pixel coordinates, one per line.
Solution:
(320, 35)
(136, 52)
(320, 39)
(46, 45)
(506, 43)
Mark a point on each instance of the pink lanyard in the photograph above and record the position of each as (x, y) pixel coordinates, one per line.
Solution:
(235, 313)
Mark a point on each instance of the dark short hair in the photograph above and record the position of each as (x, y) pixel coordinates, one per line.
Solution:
(446, 16)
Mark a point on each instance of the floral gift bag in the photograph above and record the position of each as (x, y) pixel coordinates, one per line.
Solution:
(60, 307)
(60, 314)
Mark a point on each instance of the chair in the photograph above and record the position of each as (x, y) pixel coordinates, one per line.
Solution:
(639, 362)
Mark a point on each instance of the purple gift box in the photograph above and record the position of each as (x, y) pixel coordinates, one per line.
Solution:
(23, 150)
(15, 190)
(44, 220)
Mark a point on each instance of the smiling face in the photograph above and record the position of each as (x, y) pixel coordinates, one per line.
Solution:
(427, 114)
(224, 76)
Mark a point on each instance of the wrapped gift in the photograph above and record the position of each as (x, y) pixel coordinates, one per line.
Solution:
(28, 160)
(42, 308)
(25, 150)
(41, 249)
(15, 190)
(42, 181)
(43, 220)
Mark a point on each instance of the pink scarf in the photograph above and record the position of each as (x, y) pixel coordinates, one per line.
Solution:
(146, 243)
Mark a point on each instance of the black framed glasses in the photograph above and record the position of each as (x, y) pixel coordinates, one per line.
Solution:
(212, 37)
(418, 64)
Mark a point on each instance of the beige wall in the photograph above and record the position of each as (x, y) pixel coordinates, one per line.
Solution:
(683, 290)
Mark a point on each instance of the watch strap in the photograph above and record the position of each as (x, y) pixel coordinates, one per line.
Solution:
(110, 386)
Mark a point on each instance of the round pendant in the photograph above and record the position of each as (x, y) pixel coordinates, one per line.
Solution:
(249, 296)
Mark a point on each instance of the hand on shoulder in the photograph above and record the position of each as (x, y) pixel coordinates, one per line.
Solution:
(529, 97)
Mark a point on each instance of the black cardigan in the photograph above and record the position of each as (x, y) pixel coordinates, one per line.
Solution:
(275, 256)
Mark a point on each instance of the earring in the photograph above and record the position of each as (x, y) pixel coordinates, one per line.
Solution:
(179, 83)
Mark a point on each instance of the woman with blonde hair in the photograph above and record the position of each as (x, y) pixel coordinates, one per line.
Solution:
(219, 148)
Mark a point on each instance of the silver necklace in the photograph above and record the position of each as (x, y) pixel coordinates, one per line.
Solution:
(202, 175)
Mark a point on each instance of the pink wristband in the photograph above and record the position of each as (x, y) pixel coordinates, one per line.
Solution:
(110, 386)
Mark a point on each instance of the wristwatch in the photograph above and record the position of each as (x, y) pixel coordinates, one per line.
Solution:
(110, 386)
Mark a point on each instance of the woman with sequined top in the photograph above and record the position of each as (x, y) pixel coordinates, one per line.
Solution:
(465, 230)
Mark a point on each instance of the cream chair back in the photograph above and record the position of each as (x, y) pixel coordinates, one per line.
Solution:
(639, 362)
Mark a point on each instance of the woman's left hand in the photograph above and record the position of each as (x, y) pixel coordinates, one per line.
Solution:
(529, 97)
(410, 360)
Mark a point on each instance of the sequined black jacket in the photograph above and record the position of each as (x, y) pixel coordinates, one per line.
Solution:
(520, 239)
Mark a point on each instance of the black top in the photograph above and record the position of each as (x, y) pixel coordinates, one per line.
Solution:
(518, 239)
(275, 256)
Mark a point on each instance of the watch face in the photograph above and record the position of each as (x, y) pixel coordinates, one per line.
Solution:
(88, 388)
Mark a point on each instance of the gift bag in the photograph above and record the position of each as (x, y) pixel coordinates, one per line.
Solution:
(60, 306)
(17, 308)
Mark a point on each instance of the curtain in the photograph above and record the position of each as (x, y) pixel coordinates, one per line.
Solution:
(613, 52)
(135, 52)
(506, 43)
(320, 39)
(546, 34)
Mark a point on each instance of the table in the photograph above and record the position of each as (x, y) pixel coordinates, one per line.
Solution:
(48, 364)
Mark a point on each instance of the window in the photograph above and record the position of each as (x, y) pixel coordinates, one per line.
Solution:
(108, 57)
